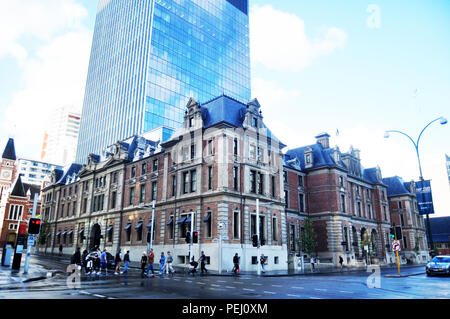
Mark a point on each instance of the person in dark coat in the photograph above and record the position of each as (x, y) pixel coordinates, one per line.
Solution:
(84, 260)
(236, 263)
(77, 257)
(126, 259)
(202, 261)
(143, 264)
(117, 261)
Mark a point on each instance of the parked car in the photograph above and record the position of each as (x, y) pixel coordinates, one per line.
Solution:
(438, 265)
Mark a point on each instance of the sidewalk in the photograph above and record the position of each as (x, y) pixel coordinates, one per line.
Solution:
(135, 269)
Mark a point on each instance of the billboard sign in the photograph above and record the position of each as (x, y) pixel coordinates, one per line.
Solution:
(424, 197)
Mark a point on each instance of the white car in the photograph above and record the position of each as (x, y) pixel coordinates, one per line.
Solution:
(438, 265)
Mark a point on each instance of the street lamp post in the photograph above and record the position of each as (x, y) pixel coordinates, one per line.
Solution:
(416, 146)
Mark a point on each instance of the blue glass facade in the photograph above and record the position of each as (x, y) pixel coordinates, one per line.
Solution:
(150, 56)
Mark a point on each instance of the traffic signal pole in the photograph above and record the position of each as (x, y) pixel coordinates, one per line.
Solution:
(396, 252)
(258, 270)
(31, 238)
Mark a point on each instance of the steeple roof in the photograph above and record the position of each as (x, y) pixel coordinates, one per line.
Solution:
(9, 152)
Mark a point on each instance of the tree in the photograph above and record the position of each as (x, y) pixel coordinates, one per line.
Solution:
(45, 229)
(308, 238)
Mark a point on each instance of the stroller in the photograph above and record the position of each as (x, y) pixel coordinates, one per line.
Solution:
(193, 266)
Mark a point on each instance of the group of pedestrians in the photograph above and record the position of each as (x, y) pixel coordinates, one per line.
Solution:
(96, 262)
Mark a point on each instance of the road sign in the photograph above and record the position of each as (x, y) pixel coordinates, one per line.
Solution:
(395, 246)
(30, 241)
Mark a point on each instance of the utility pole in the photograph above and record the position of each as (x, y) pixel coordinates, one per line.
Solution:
(31, 238)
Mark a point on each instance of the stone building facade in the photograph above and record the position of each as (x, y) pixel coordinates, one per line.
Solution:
(208, 176)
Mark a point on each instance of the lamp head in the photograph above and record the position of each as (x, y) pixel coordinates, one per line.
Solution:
(443, 121)
(386, 134)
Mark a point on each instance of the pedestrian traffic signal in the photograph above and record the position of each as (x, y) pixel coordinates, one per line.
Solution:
(195, 237)
(188, 237)
(255, 240)
(34, 226)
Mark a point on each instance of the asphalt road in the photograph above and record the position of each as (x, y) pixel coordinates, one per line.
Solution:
(351, 285)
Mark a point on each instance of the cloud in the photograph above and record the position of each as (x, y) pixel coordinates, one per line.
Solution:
(25, 20)
(278, 40)
(52, 75)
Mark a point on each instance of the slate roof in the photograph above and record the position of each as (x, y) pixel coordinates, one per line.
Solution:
(66, 177)
(321, 156)
(10, 151)
(440, 228)
(223, 109)
(396, 186)
(21, 189)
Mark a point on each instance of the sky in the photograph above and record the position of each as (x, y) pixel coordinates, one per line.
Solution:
(353, 69)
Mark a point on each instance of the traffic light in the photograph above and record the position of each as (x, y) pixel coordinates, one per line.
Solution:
(195, 237)
(34, 226)
(255, 240)
(263, 241)
(188, 237)
(397, 230)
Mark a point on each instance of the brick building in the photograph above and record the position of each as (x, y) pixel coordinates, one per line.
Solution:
(212, 170)
(405, 213)
(345, 202)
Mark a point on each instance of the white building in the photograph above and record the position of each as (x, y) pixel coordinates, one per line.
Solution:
(34, 172)
(61, 137)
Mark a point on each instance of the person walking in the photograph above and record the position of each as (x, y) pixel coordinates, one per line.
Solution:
(202, 261)
(126, 260)
(103, 262)
(263, 262)
(236, 263)
(77, 258)
(151, 260)
(143, 264)
(341, 261)
(117, 261)
(169, 261)
(97, 262)
(313, 261)
(162, 264)
(84, 260)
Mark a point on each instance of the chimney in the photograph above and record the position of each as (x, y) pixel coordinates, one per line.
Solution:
(324, 140)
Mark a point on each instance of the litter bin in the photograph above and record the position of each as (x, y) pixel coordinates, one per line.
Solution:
(8, 251)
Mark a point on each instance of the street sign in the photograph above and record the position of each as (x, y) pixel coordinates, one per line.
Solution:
(395, 246)
(366, 248)
(30, 241)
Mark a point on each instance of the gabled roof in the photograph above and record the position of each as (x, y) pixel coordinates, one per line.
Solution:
(440, 228)
(395, 186)
(10, 151)
(21, 189)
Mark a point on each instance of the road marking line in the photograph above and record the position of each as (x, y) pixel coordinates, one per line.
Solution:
(318, 289)
(229, 287)
(298, 287)
(221, 281)
(314, 298)
(248, 289)
(240, 283)
(290, 295)
(277, 286)
(255, 284)
(99, 296)
(188, 281)
(84, 292)
(269, 292)
(346, 292)
(200, 283)
(215, 285)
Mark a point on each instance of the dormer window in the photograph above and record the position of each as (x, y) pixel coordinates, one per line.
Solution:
(255, 122)
(308, 158)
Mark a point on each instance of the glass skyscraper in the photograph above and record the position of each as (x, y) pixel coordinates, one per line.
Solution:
(149, 57)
